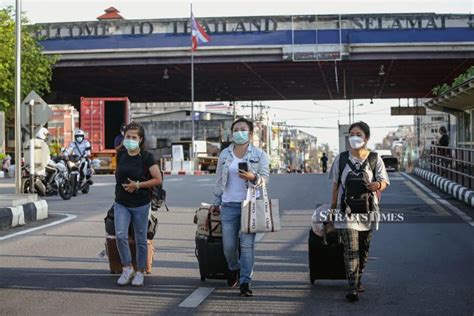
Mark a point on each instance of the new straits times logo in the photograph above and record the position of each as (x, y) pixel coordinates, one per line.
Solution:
(335, 215)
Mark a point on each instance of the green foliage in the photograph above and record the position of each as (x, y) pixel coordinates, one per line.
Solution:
(438, 90)
(36, 67)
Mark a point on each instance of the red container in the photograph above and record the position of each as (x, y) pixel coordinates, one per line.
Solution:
(101, 119)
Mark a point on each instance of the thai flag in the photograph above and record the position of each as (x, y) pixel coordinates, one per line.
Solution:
(198, 34)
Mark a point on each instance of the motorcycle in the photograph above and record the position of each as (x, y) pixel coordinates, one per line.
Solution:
(79, 182)
(56, 180)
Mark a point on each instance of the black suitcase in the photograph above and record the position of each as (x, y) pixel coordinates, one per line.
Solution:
(210, 255)
(326, 257)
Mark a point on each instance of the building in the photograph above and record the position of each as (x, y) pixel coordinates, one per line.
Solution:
(162, 130)
(428, 127)
(61, 126)
(148, 108)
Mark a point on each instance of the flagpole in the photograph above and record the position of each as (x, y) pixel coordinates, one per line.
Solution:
(192, 153)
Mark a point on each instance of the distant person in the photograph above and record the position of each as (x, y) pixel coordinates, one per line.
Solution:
(444, 142)
(6, 165)
(81, 148)
(324, 162)
(362, 173)
(119, 138)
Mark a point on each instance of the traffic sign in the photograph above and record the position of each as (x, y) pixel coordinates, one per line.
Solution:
(41, 115)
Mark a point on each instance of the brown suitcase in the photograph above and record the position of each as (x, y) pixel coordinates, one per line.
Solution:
(114, 257)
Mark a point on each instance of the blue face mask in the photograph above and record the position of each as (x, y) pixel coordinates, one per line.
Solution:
(131, 144)
(241, 137)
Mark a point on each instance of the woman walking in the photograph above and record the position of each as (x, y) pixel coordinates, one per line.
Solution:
(240, 165)
(136, 172)
(355, 231)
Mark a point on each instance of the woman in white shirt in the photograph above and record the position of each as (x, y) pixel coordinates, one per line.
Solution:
(230, 192)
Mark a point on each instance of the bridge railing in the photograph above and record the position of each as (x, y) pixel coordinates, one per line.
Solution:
(456, 164)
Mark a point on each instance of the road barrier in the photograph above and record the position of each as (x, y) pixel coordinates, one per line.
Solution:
(458, 191)
(22, 214)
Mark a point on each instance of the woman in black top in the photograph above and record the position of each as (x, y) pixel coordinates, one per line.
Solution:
(136, 172)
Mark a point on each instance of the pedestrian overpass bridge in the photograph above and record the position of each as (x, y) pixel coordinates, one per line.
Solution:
(260, 58)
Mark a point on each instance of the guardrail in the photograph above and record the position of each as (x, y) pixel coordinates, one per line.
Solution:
(455, 164)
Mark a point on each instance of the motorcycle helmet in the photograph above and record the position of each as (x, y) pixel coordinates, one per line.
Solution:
(79, 136)
(43, 134)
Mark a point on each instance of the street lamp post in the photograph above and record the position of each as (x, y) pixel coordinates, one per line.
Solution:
(18, 98)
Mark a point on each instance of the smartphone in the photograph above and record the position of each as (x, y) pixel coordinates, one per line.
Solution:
(243, 166)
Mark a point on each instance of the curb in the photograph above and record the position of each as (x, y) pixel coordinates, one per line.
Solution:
(458, 191)
(186, 173)
(23, 214)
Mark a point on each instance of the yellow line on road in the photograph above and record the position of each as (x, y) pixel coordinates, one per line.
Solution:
(432, 203)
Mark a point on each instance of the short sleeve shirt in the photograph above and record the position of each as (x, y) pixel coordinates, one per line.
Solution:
(380, 175)
(133, 168)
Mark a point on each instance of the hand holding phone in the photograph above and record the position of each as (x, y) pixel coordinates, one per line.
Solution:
(243, 166)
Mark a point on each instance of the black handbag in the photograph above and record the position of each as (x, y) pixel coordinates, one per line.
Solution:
(110, 225)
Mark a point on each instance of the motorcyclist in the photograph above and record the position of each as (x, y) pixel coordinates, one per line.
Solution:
(82, 148)
(41, 141)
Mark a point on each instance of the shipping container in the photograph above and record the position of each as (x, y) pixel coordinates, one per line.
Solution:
(101, 119)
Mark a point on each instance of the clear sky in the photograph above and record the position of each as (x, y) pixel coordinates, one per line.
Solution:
(306, 113)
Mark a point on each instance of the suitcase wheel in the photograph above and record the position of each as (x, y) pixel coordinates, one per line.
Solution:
(312, 281)
(203, 278)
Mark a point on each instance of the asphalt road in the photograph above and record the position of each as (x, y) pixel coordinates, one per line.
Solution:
(422, 266)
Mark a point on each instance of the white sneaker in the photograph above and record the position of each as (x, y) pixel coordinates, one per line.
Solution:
(126, 276)
(138, 279)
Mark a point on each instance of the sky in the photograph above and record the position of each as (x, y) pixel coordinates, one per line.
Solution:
(325, 114)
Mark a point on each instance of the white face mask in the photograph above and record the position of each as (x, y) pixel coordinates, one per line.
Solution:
(356, 142)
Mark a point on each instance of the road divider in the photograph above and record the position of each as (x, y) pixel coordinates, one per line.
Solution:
(460, 192)
(438, 199)
(22, 214)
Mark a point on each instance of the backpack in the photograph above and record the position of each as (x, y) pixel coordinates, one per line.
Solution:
(158, 194)
(355, 194)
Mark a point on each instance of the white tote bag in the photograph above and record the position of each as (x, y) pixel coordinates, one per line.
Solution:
(259, 216)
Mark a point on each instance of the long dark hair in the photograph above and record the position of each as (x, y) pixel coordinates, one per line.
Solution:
(135, 126)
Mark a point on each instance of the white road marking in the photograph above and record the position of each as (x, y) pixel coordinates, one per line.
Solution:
(396, 178)
(432, 203)
(173, 180)
(453, 208)
(203, 180)
(103, 184)
(68, 218)
(196, 297)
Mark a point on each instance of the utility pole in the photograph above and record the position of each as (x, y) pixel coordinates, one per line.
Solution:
(18, 98)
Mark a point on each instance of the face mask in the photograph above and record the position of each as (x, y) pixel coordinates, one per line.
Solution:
(356, 142)
(131, 144)
(79, 139)
(241, 137)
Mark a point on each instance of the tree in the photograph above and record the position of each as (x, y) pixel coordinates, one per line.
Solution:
(36, 67)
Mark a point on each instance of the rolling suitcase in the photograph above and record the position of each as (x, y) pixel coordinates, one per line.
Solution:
(326, 257)
(210, 255)
(115, 263)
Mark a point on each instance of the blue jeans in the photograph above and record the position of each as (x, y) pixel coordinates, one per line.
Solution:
(230, 216)
(139, 218)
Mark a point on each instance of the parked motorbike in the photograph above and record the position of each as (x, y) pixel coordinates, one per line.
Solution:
(55, 181)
